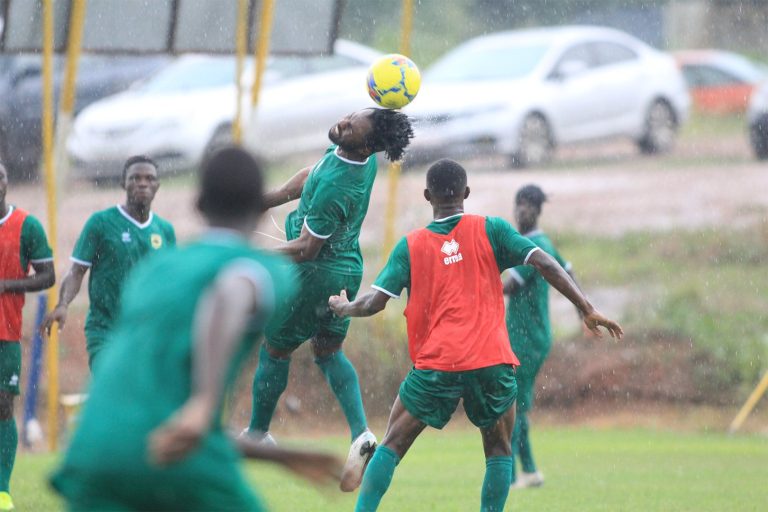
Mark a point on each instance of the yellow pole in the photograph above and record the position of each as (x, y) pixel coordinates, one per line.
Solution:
(50, 187)
(240, 48)
(758, 392)
(262, 48)
(395, 168)
(68, 89)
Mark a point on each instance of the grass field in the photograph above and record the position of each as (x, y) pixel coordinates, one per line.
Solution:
(585, 469)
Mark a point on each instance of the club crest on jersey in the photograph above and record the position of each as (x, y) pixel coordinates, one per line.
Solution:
(156, 241)
(451, 251)
(14, 380)
(126, 237)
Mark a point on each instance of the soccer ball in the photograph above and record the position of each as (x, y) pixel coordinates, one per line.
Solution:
(393, 81)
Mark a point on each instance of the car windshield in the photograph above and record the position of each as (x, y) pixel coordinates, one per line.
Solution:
(498, 63)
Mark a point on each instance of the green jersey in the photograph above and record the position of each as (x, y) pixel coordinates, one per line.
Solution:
(528, 308)
(33, 244)
(333, 205)
(146, 374)
(111, 243)
(509, 249)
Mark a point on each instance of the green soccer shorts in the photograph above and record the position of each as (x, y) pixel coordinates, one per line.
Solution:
(432, 396)
(308, 314)
(10, 366)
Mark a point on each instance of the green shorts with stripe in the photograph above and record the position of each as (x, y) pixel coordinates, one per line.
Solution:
(432, 395)
(10, 366)
(308, 315)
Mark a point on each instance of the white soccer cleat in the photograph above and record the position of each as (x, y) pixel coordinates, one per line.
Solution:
(360, 453)
(261, 438)
(526, 480)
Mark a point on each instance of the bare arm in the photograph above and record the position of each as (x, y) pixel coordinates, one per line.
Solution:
(289, 191)
(551, 270)
(43, 278)
(70, 287)
(365, 305)
(222, 316)
(317, 467)
(304, 248)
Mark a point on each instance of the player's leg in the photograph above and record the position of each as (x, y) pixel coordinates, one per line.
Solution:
(10, 372)
(269, 383)
(489, 401)
(402, 430)
(498, 462)
(521, 445)
(342, 379)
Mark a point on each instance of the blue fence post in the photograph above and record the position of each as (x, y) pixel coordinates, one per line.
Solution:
(33, 380)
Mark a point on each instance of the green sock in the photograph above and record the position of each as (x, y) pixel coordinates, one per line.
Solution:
(9, 438)
(524, 444)
(498, 473)
(376, 480)
(342, 378)
(269, 383)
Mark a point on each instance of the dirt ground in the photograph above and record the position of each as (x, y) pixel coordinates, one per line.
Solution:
(605, 190)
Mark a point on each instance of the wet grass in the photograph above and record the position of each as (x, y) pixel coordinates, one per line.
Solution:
(585, 469)
(707, 286)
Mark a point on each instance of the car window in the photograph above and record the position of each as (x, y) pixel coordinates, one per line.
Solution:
(608, 53)
(471, 63)
(707, 76)
(582, 52)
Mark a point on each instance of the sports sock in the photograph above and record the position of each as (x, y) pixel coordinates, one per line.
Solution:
(9, 438)
(342, 378)
(498, 473)
(377, 477)
(524, 444)
(269, 383)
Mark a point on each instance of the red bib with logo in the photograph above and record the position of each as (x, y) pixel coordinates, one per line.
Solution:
(11, 304)
(455, 311)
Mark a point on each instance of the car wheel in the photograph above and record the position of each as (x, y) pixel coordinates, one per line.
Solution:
(535, 144)
(221, 138)
(758, 135)
(660, 129)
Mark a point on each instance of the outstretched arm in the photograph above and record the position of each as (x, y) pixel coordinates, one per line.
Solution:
(70, 287)
(551, 270)
(221, 318)
(317, 467)
(43, 278)
(289, 191)
(365, 305)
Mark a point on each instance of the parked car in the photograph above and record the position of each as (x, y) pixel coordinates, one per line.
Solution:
(21, 89)
(522, 93)
(187, 109)
(757, 116)
(720, 82)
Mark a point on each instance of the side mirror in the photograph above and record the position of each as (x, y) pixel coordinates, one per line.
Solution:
(570, 68)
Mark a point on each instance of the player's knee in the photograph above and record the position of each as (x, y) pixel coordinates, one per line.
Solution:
(323, 347)
(277, 353)
(6, 406)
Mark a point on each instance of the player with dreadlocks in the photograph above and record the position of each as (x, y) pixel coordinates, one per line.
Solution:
(323, 237)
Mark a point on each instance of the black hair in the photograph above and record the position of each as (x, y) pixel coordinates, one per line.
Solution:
(391, 133)
(531, 194)
(446, 179)
(231, 184)
(137, 159)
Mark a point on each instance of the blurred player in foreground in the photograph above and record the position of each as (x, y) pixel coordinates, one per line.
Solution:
(150, 436)
(23, 244)
(529, 327)
(111, 243)
(323, 237)
(457, 338)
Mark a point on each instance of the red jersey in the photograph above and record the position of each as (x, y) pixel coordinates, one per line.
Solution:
(11, 304)
(455, 311)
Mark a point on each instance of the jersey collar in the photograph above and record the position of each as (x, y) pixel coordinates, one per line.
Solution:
(347, 160)
(446, 219)
(7, 215)
(134, 221)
